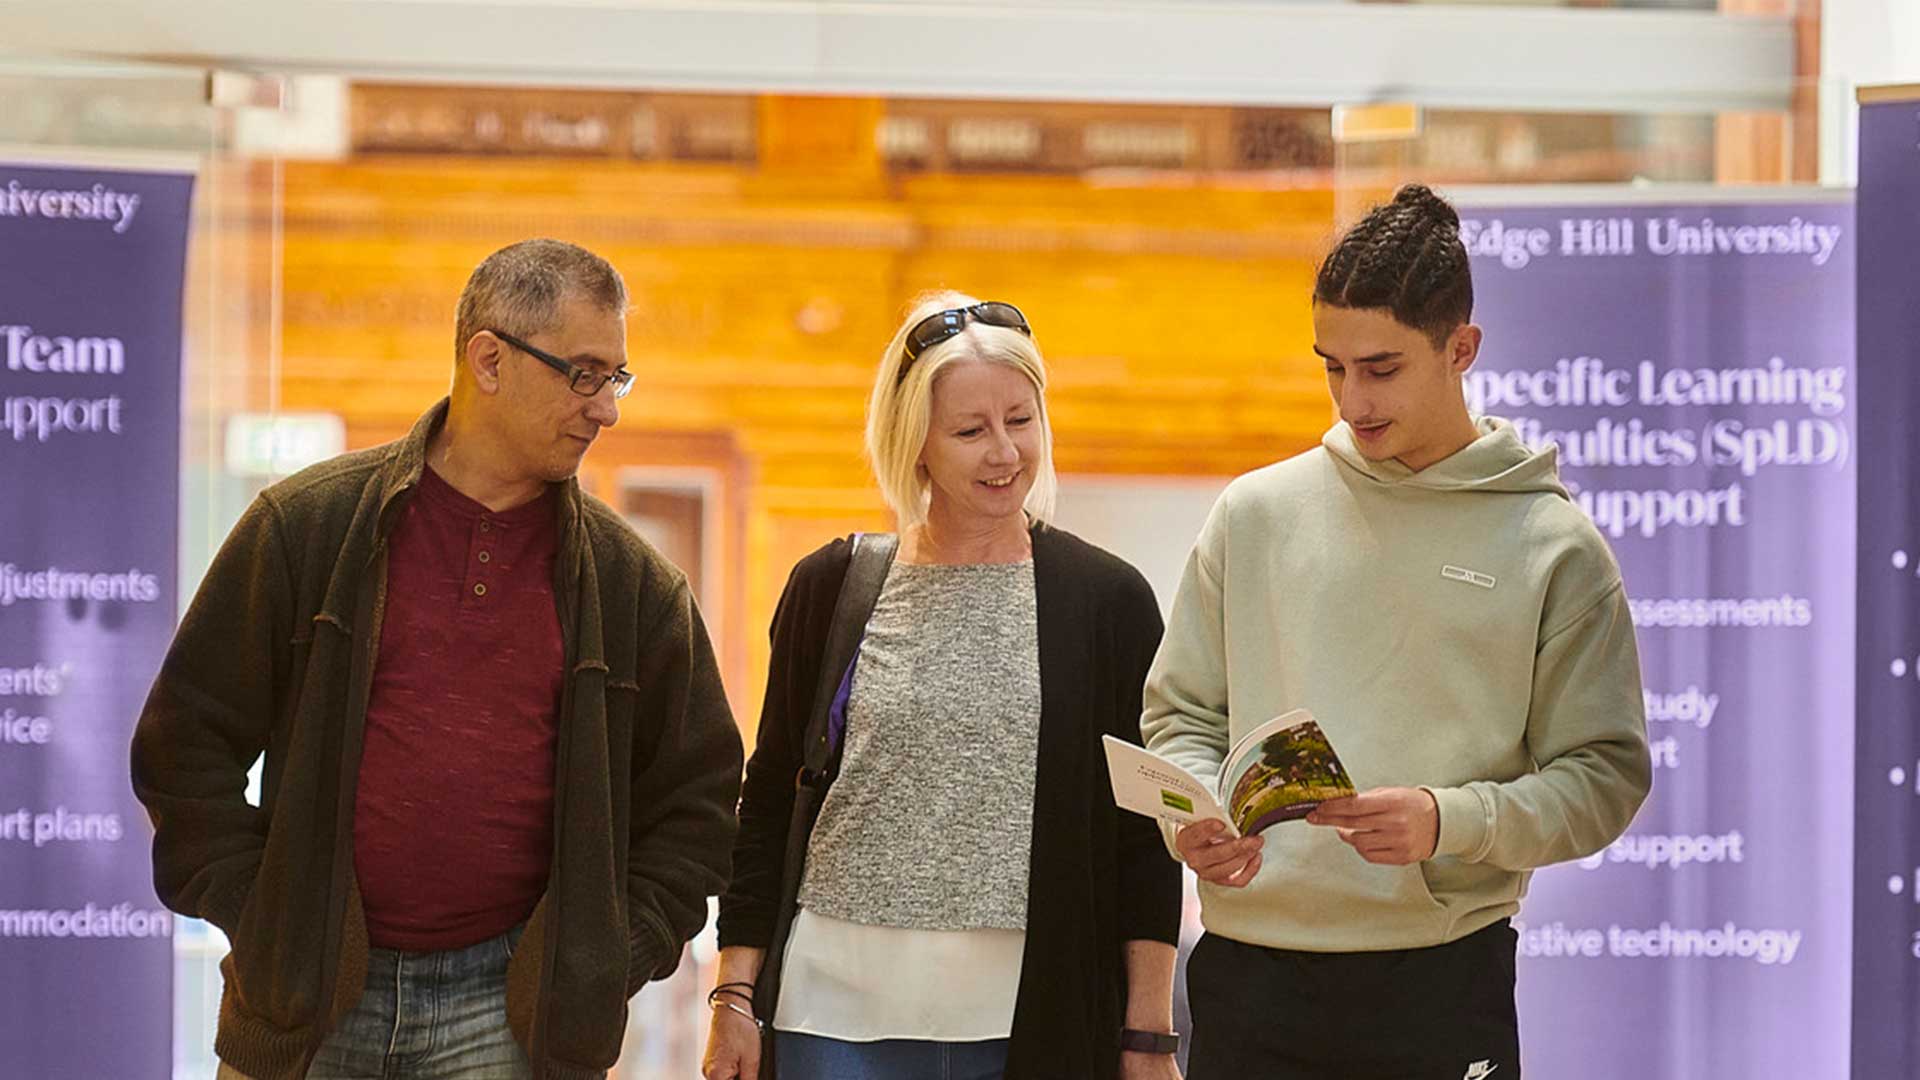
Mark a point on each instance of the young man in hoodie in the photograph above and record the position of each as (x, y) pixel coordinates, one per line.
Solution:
(1421, 582)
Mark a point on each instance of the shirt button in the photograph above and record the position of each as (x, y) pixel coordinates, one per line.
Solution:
(486, 526)
(484, 557)
(479, 590)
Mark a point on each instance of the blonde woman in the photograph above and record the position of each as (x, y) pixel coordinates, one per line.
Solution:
(972, 905)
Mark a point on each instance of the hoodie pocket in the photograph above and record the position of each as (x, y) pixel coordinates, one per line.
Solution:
(1423, 881)
(1462, 887)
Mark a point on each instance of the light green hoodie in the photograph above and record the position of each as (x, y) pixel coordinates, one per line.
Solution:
(1335, 583)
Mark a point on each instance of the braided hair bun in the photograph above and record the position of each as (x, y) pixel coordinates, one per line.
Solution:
(1404, 258)
(1421, 199)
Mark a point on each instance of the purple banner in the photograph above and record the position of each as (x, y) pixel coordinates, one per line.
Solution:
(1694, 364)
(1886, 943)
(91, 269)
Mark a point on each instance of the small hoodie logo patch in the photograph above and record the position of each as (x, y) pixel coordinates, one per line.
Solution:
(1483, 1068)
(1471, 577)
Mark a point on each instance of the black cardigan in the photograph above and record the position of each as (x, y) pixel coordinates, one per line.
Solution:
(1099, 876)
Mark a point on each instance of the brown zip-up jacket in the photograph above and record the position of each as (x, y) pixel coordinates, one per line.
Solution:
(275, 656)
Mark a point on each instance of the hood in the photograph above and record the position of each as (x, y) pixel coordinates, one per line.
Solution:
(1496, 461)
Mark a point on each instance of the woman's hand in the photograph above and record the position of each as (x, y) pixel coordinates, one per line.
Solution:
(1135, 1065)
(1149, 1007)
(733, 1046)
(733, 1036)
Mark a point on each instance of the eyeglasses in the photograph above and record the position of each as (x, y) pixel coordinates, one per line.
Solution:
(942, 325)
(582, 381)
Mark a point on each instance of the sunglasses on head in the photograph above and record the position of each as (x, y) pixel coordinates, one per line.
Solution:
(942, 325)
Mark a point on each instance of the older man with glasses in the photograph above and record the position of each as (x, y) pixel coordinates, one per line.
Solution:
(500, 770)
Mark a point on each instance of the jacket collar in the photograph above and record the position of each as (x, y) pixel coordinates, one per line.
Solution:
(403, 467)
(408, 460)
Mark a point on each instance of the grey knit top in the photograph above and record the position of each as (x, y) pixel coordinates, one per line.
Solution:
(929, 825)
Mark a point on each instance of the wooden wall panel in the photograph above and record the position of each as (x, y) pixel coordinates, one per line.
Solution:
(1173, 315)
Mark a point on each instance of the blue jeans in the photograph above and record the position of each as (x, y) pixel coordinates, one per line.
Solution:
(429, 1016)
(813, 1057)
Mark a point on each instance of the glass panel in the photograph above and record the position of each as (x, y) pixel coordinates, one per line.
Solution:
(1466, 147)
(1165, 254)
(158, 116)
(1641, 5)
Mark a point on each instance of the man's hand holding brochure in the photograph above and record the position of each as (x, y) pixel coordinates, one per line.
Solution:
(1282, 770)
(1277, 772)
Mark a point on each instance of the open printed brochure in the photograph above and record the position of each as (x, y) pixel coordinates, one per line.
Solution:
(1277, 772)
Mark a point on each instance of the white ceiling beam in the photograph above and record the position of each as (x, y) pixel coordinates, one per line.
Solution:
(1309, 54)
